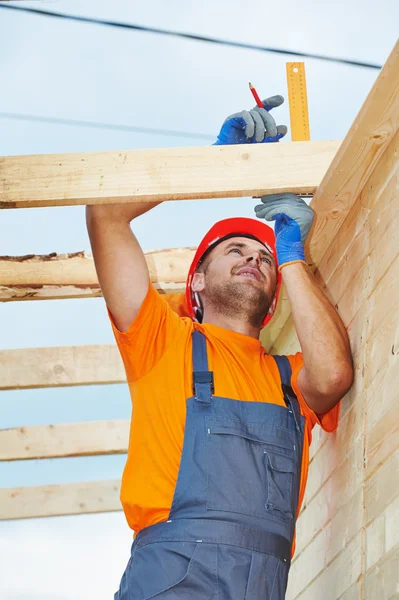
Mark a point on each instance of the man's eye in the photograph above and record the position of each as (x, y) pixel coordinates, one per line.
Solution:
(235, 250)
(266, 260)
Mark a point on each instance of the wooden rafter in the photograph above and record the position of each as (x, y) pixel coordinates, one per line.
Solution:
(57, 276)
(59, 367)
(62, 499)
(64, 439)
(163, 174)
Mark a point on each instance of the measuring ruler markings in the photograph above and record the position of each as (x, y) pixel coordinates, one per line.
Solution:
(298, 102)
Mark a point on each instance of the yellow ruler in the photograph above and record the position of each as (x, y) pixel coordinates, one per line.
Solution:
(298, 102)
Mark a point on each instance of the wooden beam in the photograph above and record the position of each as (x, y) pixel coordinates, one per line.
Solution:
(368, 138)
(63, 366)
(58, 276)
(56, 500)
(64, 439)
(163, 174)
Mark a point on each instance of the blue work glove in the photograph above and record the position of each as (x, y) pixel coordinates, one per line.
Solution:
(293, 219)
(253, 126)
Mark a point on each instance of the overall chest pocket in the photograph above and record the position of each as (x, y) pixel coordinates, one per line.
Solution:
(250, 470)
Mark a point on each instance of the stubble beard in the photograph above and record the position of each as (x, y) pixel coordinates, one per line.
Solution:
(239, 300)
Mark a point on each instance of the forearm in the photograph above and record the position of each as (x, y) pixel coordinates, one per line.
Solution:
(321, 333)
(120, 263)
(118, 212)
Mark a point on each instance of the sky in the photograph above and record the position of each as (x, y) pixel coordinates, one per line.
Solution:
(69, 70)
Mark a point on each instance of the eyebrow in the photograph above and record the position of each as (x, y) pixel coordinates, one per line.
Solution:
(243, 245)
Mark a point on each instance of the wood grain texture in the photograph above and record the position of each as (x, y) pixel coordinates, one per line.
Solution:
(369, 137)
(335, 579)
(63, 366)
(327, 545)
(58, 276)
(319, 508)
(64, 439)
(382, 534)
(359, 464)
(381, 583)
(364, 251)
(163, 174)
(56, 500)
(381, 488)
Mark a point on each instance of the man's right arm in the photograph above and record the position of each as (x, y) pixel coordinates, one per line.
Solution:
(119, 260)
(120, 263)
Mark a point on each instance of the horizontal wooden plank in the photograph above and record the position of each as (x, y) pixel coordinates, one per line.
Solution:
(354, 592)
(374, 194)
(63, 366)
(370, 135)
(163, 174)
(381, 583)
(349, 419)
(336, 578)
(57, 276)
(381, 489)
(383, 439)
(275, 327)
(318, 509)
(64, 439)
(361, 264)
(336, 449)
(57, 500)
(382, 394)
(370, 254)
(382, 534)
(384, 346)
(331, 540)
(286, 340)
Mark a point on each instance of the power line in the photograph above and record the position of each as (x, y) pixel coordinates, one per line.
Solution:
(99, 125)
(190, 36)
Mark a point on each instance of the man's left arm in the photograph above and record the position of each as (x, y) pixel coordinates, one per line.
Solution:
(327, 373)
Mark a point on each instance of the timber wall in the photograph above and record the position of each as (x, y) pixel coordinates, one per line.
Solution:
(348, 529)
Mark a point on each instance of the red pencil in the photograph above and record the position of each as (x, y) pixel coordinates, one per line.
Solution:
(255, 95)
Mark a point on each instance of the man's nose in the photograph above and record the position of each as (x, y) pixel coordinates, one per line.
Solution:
(255, 257)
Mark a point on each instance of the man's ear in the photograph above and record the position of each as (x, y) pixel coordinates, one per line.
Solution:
(272, 306)
(198, 282)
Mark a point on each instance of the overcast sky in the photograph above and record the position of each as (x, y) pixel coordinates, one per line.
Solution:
(69, 70)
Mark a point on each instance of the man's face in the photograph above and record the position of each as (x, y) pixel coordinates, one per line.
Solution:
(238, 279)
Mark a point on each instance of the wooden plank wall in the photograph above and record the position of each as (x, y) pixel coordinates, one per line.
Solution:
(348, 530)
(366, 141)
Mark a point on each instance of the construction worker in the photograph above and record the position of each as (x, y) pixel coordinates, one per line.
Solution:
(220, 431)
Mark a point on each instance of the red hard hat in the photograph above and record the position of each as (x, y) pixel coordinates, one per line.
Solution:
(239, 226)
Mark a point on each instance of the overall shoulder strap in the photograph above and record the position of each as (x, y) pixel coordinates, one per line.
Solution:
(290, 397)
(203, 383)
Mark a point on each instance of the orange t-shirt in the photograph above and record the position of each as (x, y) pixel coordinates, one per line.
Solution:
(157, 354)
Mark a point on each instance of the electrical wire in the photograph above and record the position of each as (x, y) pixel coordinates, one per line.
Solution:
(99, 125)
(190, 36)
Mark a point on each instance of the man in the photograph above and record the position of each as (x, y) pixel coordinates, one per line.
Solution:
(220, 430)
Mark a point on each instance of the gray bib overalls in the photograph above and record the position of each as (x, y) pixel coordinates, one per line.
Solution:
(232, 520)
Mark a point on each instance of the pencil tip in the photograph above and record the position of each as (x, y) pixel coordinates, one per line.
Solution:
(250, 86)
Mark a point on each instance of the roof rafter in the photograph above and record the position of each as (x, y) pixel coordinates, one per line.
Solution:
(163, 174)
